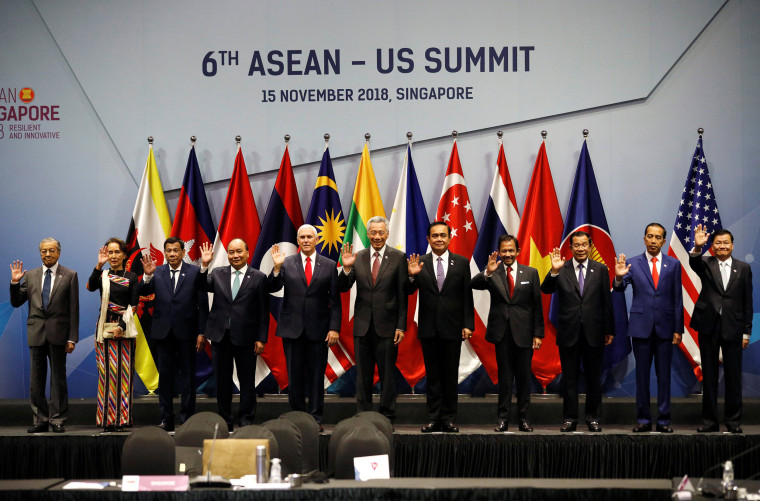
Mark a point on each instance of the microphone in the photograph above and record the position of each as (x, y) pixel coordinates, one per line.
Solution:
(208, 480)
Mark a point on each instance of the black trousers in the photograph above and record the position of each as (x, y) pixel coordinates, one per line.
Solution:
(176, 355)
(570, 358)
(371, 350)
(513, 364)
(57, 410)
(244, 358)
(442, 372)
(710, 345)
(306, 361)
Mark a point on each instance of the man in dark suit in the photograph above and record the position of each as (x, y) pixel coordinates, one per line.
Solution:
(237, 326)
(379, 313)
(655, 322)
(180, 310)
(309, 320)
(515, 325)
(446, 318)
(585, 325)
(52, 331)
(723, 318)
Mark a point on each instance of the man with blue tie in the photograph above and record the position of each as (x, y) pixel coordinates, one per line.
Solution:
(180, 309)
(238, 328)
(655, 322)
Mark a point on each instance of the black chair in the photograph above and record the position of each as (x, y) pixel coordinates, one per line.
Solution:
(289, 444)
(200, 427)
(340, 430)
(383, 424)
(148, 451)
(358, 442)
(309, 438)
(256, 431)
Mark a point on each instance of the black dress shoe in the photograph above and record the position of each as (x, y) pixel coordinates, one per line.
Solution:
(166, 426)
(525, 425)
(502, 426)
(58, 428)
(734, 428)
(449, 428)
(594, 426)
(38, 428)
(431, 427)
(708, 428)
(642, 427)
(568, 426)
(663, 428)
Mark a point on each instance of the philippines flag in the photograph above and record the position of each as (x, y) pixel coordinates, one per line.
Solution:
(280, 226)
(698, 206)
(408, 233)
(500, 217)
(326, 215)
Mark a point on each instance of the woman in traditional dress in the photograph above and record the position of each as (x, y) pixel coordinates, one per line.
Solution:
(115, 335)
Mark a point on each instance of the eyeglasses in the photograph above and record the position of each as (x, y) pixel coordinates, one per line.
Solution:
(581, 246)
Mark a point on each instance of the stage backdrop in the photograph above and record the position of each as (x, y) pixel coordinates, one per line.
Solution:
(83, 83)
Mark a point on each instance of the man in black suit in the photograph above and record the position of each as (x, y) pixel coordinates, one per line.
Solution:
(585, 325)
(446, 318)
(515, 325)
(180, 310)
(723, 318)
(52, 331)
(309, 319)
(379, 313)
(237, 326)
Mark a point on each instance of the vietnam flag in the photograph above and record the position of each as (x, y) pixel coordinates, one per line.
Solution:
(540, 231)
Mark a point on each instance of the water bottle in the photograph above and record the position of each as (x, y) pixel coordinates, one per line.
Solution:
(275, 475)
(728, 477)
(262, 468)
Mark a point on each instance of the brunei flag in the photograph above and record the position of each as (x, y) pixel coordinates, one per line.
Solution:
(148, 229)
(326, 215)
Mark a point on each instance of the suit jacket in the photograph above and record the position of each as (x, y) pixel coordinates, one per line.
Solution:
(523, 312)
(593, 310)
(443, 314)
(383, 303)
(313, 309)
(735, 300)
(184, 308)
(247, 316)
(658, 309)
(60, 322)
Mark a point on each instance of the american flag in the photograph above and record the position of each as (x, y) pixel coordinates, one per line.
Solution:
(698, 206)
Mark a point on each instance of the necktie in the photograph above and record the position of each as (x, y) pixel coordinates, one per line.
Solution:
(510, 282)
(375, 267)
(307, 270)
(725, 274)
(581, 280)
(236, 284)
(439, 276)
(655, 275)
(46, 289)
(174, 279)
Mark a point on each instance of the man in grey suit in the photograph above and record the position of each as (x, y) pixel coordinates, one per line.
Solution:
(380, 274)
(52, 331)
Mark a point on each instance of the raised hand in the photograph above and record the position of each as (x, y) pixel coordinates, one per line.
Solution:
(700, 237)
(493, 263)
(149, 266)
(557, 260)
(207, 254)
(348, 257)
(17, 271)
(277, 257)
(413, 265)
(620, 267)
(102, 257)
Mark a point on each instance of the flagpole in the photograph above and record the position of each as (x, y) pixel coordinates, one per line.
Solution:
(366, 137)
(327, 140)
(585, 134)
(192, 141)
(454, 134)
(700, 131)
(544, 134)
(500, 135)
(287, 139)
(237, 141)
(409, 136)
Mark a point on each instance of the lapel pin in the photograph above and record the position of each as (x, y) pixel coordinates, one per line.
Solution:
(451, 263)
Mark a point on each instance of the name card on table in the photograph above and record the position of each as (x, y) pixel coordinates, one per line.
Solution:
(134, 483)
(371, 467)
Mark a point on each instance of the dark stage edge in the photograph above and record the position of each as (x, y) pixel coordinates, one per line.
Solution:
(617, 412)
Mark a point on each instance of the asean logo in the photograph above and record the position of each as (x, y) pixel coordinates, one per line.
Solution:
(26, 94)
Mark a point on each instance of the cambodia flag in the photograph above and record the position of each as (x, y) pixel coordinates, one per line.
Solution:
(281, 222)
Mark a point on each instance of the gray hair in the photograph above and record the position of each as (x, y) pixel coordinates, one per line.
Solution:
(377, 220)
(309, 227)
(49, 240)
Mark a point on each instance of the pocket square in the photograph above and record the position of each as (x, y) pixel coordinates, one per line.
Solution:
(523, 283)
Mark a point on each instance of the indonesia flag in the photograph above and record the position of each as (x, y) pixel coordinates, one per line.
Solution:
(500, 217)
(281, 223)
(455, 210)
